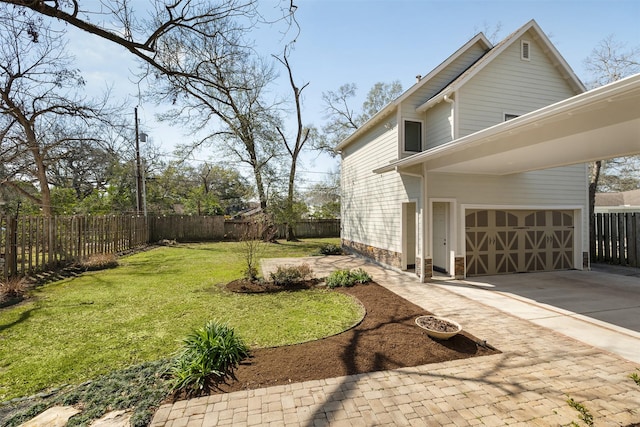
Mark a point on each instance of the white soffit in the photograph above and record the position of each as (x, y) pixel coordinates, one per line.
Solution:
(600, 124)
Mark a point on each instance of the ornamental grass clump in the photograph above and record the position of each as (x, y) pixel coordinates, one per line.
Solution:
(97, 262)
(13, 287)
(208, 353)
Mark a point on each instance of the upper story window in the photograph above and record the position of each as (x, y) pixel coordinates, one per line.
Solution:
(508, 116)
(412, 136)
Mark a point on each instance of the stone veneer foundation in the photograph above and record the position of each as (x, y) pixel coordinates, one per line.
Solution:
(384, 256)
(459, 267)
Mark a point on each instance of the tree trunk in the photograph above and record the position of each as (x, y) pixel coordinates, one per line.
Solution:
(593, 188)
(290, 234)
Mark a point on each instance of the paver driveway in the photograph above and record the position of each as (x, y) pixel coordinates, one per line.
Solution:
(528, 384)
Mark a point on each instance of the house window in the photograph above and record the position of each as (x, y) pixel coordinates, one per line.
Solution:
(508, 116)
(525, 50)
(412, 136)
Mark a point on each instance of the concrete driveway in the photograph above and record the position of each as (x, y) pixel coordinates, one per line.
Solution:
(599, 307)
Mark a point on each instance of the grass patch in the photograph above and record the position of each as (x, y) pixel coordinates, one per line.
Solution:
(78, 329)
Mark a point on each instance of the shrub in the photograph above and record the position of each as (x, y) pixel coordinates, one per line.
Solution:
(330, 249)
(346, 278)
(99, 262)
(289, 275)
(340, 278)
(214, 350)
(360, 276)
(14, 287)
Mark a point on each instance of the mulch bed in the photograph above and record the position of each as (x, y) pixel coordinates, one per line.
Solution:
(387, 338)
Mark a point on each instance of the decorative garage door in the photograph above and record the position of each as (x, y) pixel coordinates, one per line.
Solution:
(512, 241)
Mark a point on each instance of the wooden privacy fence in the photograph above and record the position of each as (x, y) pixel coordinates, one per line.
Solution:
(32, 244)
(203, 228)
(186, 228)
(616, 238)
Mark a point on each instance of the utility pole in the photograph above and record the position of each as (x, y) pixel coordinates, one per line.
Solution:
(138, 168)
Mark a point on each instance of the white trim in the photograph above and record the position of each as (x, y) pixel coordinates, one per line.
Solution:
(402, 136)
(393, 105)
(598, 98)
(520, 207)
(551, 50)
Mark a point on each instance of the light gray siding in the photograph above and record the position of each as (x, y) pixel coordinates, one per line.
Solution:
(510, 85)
(439, 120)
(565, 186)
(371, 203)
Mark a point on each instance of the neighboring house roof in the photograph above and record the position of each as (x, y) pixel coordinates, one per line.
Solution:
(492, 53)
(624, 198)
(568, 132)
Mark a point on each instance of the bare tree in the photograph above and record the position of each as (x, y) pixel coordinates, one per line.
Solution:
(343, 119)
(144, 34)
(610, 61)
(38, 92)
(296, 145)
(233, 112)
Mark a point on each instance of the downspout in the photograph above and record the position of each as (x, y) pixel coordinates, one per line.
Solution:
(453, 115)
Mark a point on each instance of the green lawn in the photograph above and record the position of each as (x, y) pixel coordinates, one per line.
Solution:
(77, 329)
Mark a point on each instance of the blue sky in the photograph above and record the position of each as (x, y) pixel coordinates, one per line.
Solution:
(365, 41)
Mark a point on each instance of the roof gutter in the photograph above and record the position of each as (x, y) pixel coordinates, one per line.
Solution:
(567, 107)
(435, 101)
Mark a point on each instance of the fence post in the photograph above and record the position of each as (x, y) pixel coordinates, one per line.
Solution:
(630, 238)
(11, 249)
(636, 237)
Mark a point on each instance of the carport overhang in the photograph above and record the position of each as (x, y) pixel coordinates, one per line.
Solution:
(599, 124)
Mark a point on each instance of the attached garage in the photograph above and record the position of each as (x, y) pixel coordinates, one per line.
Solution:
(514, 241)
(513, 197)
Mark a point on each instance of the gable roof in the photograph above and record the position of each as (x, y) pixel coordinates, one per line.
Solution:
(492, 53)
(540, 36)
(572, 129)
(391, 107)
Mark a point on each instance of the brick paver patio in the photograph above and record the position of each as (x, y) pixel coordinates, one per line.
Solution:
(528, 384)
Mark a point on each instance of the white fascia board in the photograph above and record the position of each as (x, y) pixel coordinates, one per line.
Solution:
(574, 81)
(384, 112)
(585, 99)
(395, 103)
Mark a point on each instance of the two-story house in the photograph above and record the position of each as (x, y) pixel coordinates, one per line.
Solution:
(479, 167)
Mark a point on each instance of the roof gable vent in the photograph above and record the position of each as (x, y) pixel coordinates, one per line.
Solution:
(525, 50)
